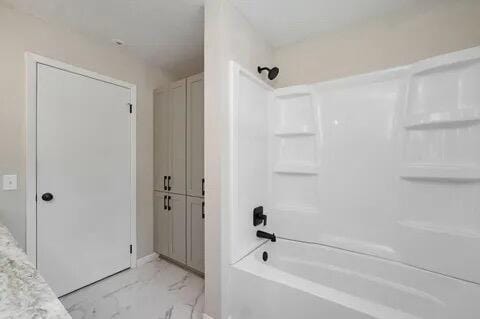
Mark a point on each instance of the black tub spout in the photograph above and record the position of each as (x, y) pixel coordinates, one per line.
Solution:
(262, 234)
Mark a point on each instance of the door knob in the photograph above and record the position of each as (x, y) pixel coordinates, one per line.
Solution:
(47, 197)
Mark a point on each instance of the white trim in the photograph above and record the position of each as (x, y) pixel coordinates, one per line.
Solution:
(31, 61)
(236, 68)
(31, 161)
(445, 60)
(146, 259)
(133, 178)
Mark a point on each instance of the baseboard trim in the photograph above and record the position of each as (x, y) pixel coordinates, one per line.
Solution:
(182, 265)
(205, 316)
(146, 259)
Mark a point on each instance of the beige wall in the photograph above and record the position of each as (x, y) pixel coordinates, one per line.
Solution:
(382, 43)
(20, 33)
(228, 36)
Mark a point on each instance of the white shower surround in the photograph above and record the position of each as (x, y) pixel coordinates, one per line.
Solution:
(383, 168)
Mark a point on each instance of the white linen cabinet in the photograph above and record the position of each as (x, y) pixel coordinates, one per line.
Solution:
(195, 145)
(162, 136)
(169, 235)
(178, 135)
(170, 138)
(195, 232)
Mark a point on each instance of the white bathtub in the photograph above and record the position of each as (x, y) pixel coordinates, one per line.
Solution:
(301, 280)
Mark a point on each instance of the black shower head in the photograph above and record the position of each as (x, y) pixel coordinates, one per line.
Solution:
(272, 73)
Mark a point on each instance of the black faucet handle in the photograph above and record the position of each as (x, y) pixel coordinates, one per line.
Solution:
(259, 217)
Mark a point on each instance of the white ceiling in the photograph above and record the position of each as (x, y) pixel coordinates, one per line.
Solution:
(165, 33)
(286, 21)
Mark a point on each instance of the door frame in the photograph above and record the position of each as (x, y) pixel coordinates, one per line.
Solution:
(31, 61)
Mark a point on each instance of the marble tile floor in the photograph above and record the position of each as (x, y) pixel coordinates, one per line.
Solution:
(156, 290)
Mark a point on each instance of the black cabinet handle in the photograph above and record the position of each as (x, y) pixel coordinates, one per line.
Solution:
(203, 210)
(203, 186)
(47, 197)
(169, 207)
(164, 183)
(165, 202)
(169, 179)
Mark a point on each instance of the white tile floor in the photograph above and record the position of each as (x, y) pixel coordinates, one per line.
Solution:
(157, 290)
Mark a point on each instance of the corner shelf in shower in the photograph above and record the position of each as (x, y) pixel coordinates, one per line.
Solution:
(439, 120)
(438, 172)
(296, 168)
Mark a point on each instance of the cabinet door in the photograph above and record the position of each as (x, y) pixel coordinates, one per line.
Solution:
(178, 143)
(195, 233)
(195, 135)
(162, 231)
(177, 207)
(162, 136)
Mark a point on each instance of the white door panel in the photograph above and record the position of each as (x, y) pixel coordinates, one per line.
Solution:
(177, 206)
(162, 224)
(178, 131)
(83, 159)
(195, 233)
(162, 139)
(195, 134)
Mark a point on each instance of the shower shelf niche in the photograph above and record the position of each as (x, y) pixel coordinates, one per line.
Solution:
(444, 95)
(438, 172)
(294, 112)
(440, 120)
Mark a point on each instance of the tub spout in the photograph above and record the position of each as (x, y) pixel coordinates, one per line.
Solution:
(262, 234)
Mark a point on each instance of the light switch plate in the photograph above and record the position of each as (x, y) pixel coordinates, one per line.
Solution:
(9, 182)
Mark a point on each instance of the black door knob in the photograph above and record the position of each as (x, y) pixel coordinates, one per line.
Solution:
(47, 197)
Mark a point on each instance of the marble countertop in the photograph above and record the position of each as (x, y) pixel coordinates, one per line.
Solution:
(24, 294)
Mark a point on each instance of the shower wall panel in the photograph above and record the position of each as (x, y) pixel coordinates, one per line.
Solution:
(249, 124)
(385, 164)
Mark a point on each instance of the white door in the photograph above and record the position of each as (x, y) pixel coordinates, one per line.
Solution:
(195, 176)
(162, 222)
(162, 135)
(83, 161)
(195, 233)
(176, 207)
(178, 121)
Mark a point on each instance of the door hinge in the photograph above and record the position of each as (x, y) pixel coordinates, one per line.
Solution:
(131, 249)
(130, 107)
(36, 198)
